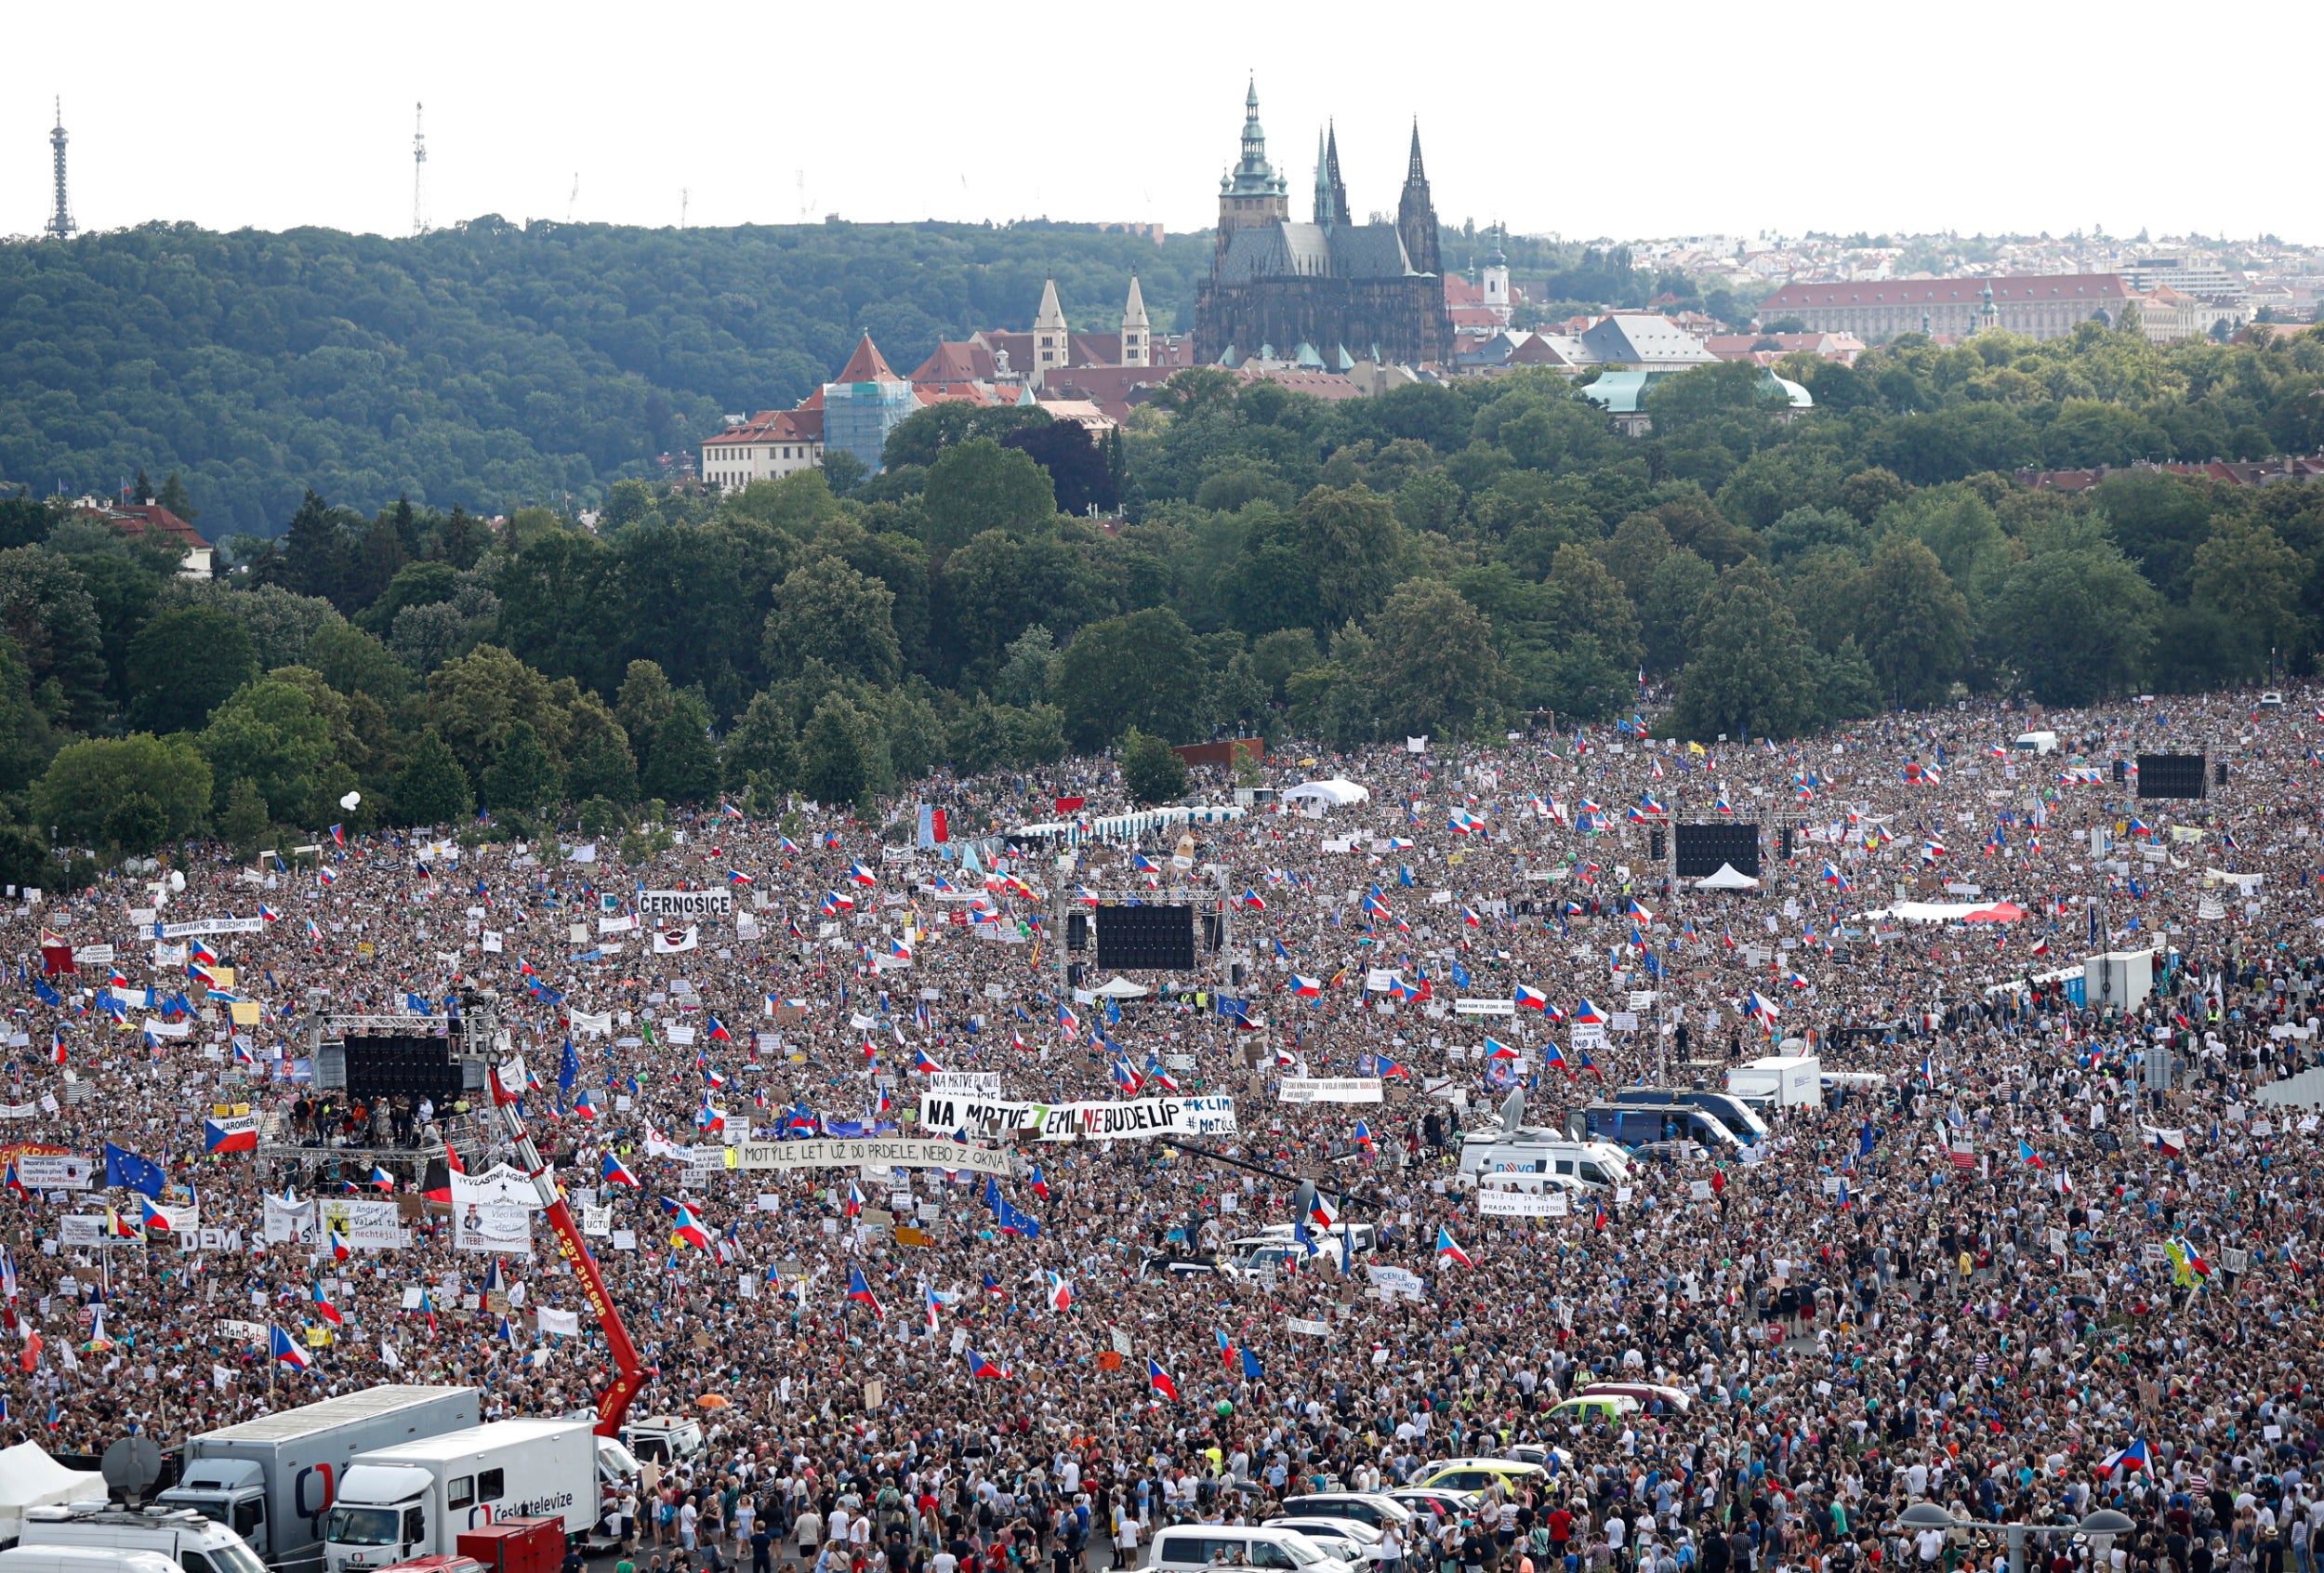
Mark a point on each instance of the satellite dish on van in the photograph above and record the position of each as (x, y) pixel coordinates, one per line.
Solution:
(1512, 1112)
(130, 1465)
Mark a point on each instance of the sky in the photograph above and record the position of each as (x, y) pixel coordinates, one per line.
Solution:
(1691, 119)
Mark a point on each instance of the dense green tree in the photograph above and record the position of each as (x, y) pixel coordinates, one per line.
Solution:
(45, 607)
(761, 743)
(602, 768)
(1351, 540)
(828, 612)
(89, 780)
(2075, 621)
(271, 735)
(683, 766)
(2246, 577)
(979, 485)
(1135, 672)
(524, 781)
(431, 788)
(27, 741)
(355, 662)
(1749, 675)
(183, 664)
(243, 821)
(1433, 667)
(837, 763)
(1913, 626)
(1673, 592)
(1151, 772)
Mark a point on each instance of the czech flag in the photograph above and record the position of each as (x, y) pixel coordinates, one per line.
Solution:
(1305, 987)
(1552, 1055)
(1496, 1050)
(267, 914)
(1638, 913)
(689, 1229)
(1587, 1014)
(1448, 1248)
(1364, 1137)
(236, 1134)
(928, 1308)
(1161, 1381)
(2026, 1154)
(1391, 1070)
(1252, 901)
(981, 1367)
(279, 1346)
(1061, 1293)
(719, 1032)
(834, 904)
(860, 874)
(858, 1289)
(1763, 1006)
(736, 876)
(2135, 1456)
(616, 1172)
(324, 1309)
(1531, 998)
(924, 1064)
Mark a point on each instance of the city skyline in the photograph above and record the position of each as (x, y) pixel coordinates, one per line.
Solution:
(1671, 142)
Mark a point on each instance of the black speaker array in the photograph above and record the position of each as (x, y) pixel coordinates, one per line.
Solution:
(383, 1067)
(1148, 938)
(1656, 846)
(1702, 848)
(1076, 930)
(2169, 775)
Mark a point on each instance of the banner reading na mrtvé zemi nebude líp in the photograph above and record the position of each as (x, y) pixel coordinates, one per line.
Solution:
(1134, 1119)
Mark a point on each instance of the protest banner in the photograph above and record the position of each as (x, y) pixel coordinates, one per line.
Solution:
(1332, 1089)
(492, 1211)
(1083, 1121)
(903, 1152)
(686, 904)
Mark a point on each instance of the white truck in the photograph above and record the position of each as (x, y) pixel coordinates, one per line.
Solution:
(196, 1544)
(1783, 1082)
(416, 1498)
(272, 1479)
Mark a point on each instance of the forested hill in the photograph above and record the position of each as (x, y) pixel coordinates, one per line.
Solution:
(489, 364)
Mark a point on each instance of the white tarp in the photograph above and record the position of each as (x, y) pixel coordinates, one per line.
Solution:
(1933, 911)
(1729, 878)
(1120, 988)
(29, 1478)
(1338, 792)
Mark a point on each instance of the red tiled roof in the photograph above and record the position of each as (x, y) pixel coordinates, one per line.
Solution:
(2035, 290)
(154, 520)
(866, 366)
(957, 361)
(771, 426)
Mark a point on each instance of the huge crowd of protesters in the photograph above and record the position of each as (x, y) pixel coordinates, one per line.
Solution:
(2001, 1273)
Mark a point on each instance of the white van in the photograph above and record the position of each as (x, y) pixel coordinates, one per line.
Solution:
(180, 1535)
(1538, 1150)
(1195, 1548)
(2036, 743)
(82, 1559)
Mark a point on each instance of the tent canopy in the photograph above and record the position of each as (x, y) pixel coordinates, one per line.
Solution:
(29, 1477)
(1728, 878)
(1120, 988)
(1338, 791)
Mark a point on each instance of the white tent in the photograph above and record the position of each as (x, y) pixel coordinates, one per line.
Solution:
(29, 1478)
(1728, 878)
(1120, 988)
(1338, 792)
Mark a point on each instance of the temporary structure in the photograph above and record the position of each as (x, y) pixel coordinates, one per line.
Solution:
(1728, 878)
(1336, 792)
(1120, 988)
(1951, 911)
(29, 1478)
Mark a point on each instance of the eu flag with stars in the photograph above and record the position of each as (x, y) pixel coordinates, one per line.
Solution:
(126, 1169)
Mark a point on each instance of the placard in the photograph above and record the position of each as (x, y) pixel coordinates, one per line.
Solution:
(365, 1224)
(55, 1172)
(686, 904)
(1484, 1007)
(972, 1084)
(492, 1212)
(1332, 1089)
(1494, 1203)
(1136, 1119)
(210, 926)
(900, 1152)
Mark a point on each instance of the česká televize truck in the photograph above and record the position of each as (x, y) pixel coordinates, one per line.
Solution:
(418, 1498)
(272, 1479)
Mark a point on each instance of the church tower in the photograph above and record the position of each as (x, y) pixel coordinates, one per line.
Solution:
(1416, 214)
(1332, 192)
(1137, 333)
(1251, 195)
(1050, 336)
(1496, 284)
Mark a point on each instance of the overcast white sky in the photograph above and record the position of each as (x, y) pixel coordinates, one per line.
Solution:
(1685, 118)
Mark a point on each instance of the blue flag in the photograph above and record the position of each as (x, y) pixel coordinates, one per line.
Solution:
(568, 1068)
(126, 1169)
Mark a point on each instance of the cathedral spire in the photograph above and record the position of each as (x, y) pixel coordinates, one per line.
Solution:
(1339, 213)
(1323, 185)
(1051, 339)
(1416, 215)
(1137, 332)
(1412, 170)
